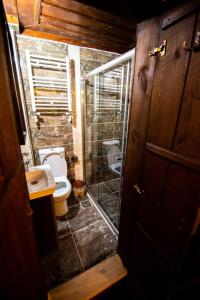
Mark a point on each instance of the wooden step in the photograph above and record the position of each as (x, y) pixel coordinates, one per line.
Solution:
(91, 282)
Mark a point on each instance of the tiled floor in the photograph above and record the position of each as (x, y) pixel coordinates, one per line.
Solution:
(107, 194)
(84, 240)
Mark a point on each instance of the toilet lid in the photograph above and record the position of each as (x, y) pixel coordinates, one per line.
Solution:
(112, 154)
(57, 163)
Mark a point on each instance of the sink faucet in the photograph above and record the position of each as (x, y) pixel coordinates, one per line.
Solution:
(26, 163)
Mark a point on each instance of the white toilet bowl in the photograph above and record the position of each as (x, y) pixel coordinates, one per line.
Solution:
(55, 157)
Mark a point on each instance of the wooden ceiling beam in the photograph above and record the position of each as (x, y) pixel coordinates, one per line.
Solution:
(84, 21)
(10, 7)
(82, 32)
(51, 34)
(73, 22)
(97, 14)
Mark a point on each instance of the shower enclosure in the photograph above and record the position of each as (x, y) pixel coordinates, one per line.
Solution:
(106, 110)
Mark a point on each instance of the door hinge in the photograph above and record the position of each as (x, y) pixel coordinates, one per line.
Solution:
(160, 50)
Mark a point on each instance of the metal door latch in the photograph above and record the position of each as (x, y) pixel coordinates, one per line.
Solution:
(138, 190)
(160, 50)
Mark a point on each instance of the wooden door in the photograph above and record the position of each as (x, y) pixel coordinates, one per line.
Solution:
(20, 270)
(161, 192)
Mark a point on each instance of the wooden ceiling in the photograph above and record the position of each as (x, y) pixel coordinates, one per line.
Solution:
(102, 24)
(72, 22)
(134, 10)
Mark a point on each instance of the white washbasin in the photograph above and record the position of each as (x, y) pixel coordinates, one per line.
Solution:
(40, 181)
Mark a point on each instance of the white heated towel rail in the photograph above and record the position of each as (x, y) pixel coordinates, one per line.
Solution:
(109, 88)
(40, 86)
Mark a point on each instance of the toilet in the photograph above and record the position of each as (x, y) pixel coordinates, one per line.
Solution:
(113, 155)
(55, 157)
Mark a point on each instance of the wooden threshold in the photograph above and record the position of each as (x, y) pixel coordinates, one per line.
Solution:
(92, 282)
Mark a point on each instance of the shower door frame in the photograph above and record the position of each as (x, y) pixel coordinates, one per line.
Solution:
(111, 64)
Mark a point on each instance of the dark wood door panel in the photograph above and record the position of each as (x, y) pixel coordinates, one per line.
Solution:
(178, 210)
(152, 272)
(187, 140)
(161, 194)
(2, 179)
(169, 83)
(153, 179)
(8, 134)
(19, 270)
(140, 102)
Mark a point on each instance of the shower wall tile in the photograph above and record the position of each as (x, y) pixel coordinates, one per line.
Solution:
(98, 190)
(106, 116)
(91, 59)
(105, 131)
(113, 185)
(91, 149)
(118, 130)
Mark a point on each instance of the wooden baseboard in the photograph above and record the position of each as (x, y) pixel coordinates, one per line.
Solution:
(92, 282)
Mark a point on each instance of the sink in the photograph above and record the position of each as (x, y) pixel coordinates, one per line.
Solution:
(40, 181)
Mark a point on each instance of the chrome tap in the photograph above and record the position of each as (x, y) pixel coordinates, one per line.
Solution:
(26, 160)
(26, 163)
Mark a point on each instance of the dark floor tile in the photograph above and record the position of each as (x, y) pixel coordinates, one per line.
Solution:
(84, 217)
(95, 242)
(110, 204)
(72, 200)
(73, 211)
(97, 189)
(61, 264)
(85, 203)
(113, 185)
(62, 226)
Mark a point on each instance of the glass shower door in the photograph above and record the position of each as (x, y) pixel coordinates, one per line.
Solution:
(106, 119)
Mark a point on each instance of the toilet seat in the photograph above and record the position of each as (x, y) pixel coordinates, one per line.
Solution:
(62, 190)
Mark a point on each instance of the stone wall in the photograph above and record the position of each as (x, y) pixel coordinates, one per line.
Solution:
(53, 130)
(56, 130)
(91, 59)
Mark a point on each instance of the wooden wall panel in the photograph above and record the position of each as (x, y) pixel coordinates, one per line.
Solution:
(170, 78)
(187, 141)
(153, 180)
(178, 210)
